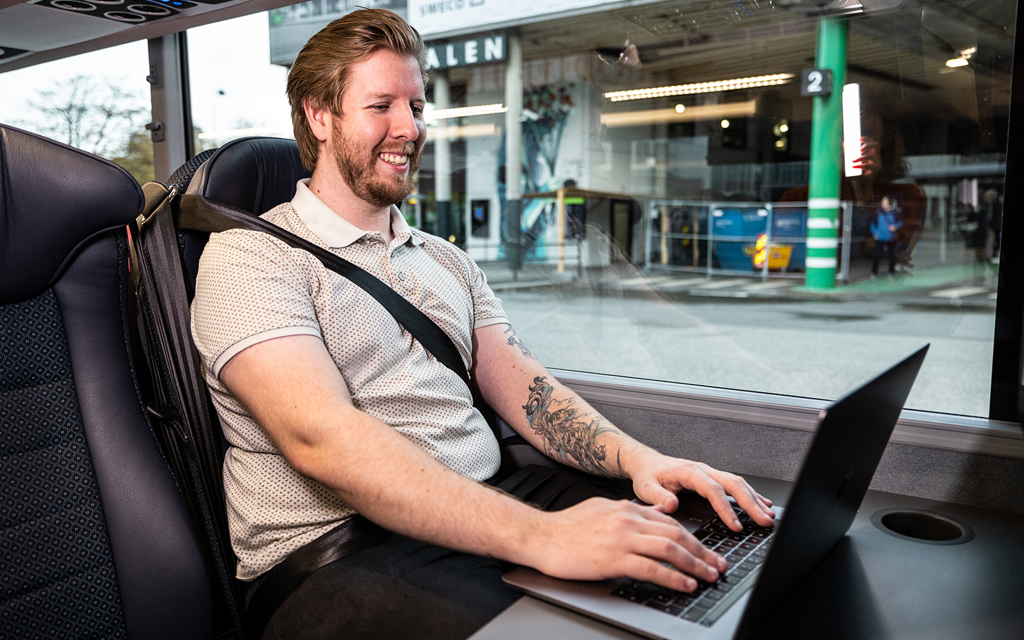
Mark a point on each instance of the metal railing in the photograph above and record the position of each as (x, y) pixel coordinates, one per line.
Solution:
(758, 222)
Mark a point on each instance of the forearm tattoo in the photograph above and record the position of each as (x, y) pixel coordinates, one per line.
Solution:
(570, 435)
(514, 341)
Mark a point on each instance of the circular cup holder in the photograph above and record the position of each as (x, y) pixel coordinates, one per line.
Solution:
(73, 5)
(150, 10)
(922, 526)
(125, 16)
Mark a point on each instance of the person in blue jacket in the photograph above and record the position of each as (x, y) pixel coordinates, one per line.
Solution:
(883, 230)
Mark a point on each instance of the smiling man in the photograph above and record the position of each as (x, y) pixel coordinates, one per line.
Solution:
(337, 418)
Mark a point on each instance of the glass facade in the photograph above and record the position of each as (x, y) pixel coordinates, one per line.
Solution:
(776, 197)
(684, 211)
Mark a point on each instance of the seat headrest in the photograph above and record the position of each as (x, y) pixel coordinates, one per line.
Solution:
(52, 197)
(254, 174)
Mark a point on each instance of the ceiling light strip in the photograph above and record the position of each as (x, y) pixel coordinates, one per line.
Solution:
(463, 112)
(700, 87)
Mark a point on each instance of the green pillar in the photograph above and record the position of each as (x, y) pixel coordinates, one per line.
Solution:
(826, 157)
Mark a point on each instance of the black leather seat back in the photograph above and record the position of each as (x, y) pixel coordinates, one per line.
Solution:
(253, 174)
(96, 540)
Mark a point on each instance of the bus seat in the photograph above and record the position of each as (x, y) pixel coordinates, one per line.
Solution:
(253, 174)
(96, 539)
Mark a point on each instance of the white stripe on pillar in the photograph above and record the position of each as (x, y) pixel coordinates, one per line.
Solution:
(820, 263)
(821, 223)
(823, 203)
(822, 243)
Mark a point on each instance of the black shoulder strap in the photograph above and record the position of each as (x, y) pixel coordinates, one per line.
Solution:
(175, 394)
(194, 212)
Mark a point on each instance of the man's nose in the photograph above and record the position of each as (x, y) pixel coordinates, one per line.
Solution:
(405, 125)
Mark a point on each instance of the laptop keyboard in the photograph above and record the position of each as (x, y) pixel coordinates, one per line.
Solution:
(744, 551)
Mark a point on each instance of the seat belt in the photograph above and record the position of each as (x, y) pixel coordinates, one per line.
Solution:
(175, 395)
(197, 213)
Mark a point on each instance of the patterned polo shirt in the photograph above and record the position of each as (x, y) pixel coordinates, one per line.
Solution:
(252, 287)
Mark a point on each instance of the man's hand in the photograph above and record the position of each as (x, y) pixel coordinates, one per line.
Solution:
(601, 538)
(658, 478)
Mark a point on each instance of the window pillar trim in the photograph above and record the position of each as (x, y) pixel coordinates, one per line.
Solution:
(916, 428)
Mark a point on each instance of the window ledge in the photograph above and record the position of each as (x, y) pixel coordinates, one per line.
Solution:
(915, 428)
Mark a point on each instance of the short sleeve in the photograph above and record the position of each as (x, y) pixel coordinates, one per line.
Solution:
(250, 288)
(487, 309)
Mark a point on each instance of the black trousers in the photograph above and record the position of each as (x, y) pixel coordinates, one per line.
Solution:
(888, 247)
(407, 590)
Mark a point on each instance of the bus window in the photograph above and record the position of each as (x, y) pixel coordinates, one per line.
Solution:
(643, 185)
(97, 101)
(235, 90)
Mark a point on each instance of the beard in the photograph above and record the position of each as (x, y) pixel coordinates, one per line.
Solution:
(359, 169)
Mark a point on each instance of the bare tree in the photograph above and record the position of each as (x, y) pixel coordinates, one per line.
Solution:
(90, 115)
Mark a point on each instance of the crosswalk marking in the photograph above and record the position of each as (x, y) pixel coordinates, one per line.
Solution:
(701, 283)
(957, 292)
(641, 281)
(679, 284)
(715, 293)
(744, 287)
(721, 284)
(767, 286)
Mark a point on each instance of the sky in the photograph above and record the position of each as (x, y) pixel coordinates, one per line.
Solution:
(233, 83)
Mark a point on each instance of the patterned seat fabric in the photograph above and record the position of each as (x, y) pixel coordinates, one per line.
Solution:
(58, 571)
(95, 540)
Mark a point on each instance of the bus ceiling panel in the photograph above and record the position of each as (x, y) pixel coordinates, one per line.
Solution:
(46, 30)
(39, 28)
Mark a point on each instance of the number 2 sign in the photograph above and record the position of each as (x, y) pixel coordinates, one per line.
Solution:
(816, 82)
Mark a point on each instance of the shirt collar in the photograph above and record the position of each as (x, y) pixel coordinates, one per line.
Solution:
(334, 230)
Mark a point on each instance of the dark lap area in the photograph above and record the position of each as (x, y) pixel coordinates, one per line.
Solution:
(405, 589)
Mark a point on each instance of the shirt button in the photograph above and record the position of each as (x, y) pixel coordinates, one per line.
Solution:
(401, 276)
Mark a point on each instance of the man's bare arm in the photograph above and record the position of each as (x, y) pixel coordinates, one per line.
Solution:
(568, 430)
(560, 423)
(295, 392)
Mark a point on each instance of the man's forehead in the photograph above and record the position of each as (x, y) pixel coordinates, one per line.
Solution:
(389, 62)
(386, 74)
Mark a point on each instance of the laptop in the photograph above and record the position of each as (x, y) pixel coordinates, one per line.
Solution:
(765, 564)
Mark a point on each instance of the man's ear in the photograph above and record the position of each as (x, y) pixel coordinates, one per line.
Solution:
(319, 119)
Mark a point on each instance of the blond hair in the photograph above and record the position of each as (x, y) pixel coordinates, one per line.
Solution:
(321, 71)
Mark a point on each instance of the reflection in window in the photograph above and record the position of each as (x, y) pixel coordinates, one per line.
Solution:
(236, 91)
(671, 210)
(671, 219)
(98, 102)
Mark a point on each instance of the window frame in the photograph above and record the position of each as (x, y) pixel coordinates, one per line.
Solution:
(916, 428)
(1006, 399)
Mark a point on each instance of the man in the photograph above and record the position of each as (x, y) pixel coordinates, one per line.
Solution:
(333, 410)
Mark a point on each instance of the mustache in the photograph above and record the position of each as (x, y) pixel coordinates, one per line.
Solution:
(408, 149)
